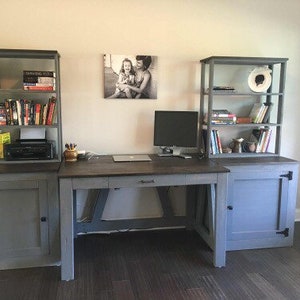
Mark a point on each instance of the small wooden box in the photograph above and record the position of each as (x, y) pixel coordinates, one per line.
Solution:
(243, 120)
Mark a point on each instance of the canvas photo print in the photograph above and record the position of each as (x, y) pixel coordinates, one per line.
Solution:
(130, 76)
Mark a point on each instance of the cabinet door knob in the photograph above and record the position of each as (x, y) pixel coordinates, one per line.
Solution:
(229, 207)
(43, 219)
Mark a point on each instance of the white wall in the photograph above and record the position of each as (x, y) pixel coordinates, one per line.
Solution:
(179, 32)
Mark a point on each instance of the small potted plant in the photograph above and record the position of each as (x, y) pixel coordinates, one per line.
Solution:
(70, 152)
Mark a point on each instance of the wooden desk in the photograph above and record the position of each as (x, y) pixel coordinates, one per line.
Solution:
(161, 171)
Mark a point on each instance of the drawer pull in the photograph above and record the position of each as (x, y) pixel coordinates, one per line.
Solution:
(147, 181)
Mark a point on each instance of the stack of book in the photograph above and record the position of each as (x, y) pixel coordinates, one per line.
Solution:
(221, 117)
(26, 112)
(261, 136)
(215, 141)
(222, 89)
(260, 112)
(39, 80)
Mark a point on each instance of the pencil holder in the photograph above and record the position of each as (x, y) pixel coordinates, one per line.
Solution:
(71, 155)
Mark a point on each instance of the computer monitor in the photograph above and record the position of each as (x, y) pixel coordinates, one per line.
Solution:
(174, 130)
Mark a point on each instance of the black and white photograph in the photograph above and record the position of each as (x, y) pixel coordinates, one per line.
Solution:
(130, 76)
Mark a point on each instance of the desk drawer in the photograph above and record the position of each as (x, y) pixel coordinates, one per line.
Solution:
(207, 178)
(146, 181)
(90, 183)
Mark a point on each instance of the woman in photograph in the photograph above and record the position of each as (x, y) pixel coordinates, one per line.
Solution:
(142, 78)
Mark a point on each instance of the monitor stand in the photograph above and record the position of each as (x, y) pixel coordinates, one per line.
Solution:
(170, 151)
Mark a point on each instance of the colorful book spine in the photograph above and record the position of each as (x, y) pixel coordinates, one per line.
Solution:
(26, 112)
(39, 88)
(3, 118)
(51, 110)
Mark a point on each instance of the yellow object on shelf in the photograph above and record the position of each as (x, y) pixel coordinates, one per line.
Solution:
(4, 139)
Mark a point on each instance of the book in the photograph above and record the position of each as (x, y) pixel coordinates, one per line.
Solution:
(13, 105)
(51, 109)
(220, 111)
(222, 89)
(19, 112)
(31, 120)
(203, 139)
(266, 140)
(219, 143)
(261, 136)
(38, 79)
(223, 120)
(213, 142)
(221, 117)
(37, 114)
(2, 114)
(9, 118)
(260, 141)
(255, 112)
(25, 84)
(44, 110)
(39, 88)
(39, 73)
(262, 114)
(268, 112)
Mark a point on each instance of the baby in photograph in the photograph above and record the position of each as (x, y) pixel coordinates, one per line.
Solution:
(126, 76)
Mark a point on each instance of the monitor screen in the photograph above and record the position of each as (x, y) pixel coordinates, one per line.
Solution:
(175, 128)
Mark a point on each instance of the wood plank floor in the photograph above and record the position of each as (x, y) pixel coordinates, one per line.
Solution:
(158, 265)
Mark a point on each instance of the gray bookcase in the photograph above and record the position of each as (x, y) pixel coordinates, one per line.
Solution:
(29, 218)
(12, 64)
(218, 72)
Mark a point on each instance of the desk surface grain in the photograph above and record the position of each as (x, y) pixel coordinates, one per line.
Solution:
(24, 167)
(105, 166)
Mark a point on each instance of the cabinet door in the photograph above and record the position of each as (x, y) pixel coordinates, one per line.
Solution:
(23, 218)
(257, 209)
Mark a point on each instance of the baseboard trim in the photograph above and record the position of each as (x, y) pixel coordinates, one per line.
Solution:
(297, 216)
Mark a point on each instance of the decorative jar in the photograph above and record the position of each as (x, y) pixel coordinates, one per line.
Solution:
(71, 155)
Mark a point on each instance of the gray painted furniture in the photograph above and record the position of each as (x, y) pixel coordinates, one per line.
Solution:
(160, 172)
(261, 203)
(231, 71)
(29, 215)
(12, 64)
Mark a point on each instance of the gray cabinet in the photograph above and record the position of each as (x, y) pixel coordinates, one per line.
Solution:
(24, 216)
(261, 205)
(29, 219)
(261, 201)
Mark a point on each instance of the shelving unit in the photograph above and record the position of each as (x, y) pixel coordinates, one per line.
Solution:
(234, 72)
(29, 205)
(12, 64)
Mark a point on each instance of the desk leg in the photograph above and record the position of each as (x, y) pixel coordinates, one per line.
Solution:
(220, 221)
(66, 229)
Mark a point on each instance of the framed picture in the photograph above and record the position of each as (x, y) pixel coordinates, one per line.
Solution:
(130, 77)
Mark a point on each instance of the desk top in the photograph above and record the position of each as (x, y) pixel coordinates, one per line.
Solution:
(21, 167)
(105, 166)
